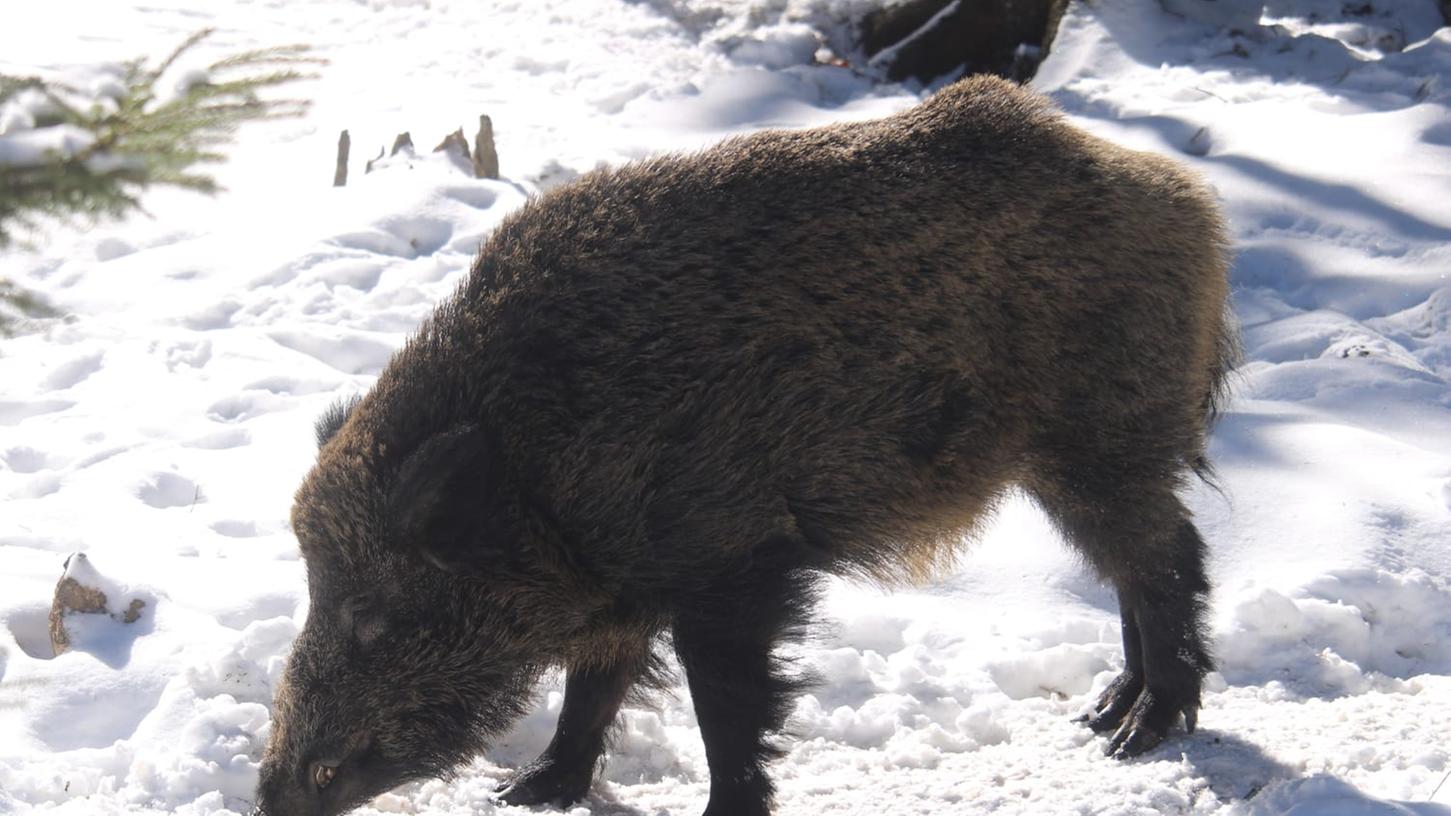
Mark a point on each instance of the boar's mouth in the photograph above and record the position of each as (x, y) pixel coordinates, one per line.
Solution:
(328, 783)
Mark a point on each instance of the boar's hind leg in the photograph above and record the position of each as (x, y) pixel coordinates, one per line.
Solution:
(725, 640)
(562, 774)
(1142, 541)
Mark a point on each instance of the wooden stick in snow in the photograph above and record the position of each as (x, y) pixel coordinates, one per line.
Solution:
(340, 176)
(486, 158)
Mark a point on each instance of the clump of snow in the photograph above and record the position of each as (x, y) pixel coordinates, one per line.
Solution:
(1059, 671)
(779, 46)
(17, 114)
(22, 146)
(1351, 631)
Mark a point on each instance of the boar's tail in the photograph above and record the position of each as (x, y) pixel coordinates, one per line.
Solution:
(1227, 357)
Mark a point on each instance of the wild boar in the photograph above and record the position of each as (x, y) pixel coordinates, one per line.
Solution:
(670, 396)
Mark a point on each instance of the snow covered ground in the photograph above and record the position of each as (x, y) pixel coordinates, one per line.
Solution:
(163, 427)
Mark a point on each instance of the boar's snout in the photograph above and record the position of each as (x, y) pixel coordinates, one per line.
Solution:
(281, 792)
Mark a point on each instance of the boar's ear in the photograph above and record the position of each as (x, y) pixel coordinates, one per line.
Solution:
(332, 419)
(439, 501)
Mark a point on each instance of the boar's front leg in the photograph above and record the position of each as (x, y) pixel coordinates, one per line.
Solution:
(725, 640)
(562, 774)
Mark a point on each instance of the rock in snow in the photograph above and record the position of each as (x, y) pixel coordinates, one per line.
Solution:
(79, 592)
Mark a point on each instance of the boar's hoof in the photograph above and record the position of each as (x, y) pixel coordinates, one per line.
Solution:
(547, 781)
(1148, 722)
(1114, 704)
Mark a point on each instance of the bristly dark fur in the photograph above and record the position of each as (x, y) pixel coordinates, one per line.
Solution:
(1228, 356)
(332, 419)
(671, 396)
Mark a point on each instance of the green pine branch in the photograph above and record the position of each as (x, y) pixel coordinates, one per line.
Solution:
(140, 138)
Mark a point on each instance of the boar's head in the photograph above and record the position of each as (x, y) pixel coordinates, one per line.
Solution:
(405, 665)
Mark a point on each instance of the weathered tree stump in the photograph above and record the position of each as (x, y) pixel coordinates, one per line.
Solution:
(482, 161)
(456, 146)
(368, 168)
(402, 142)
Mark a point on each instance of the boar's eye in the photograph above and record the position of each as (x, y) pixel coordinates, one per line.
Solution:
(363, 621)
(322, 775)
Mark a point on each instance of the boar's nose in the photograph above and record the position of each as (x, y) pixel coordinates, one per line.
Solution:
(280, 793)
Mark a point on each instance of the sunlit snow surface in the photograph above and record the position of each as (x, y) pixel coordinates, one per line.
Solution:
(164, 427)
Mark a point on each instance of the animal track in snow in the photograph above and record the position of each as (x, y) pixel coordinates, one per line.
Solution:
(290, 270)
(166, 490)
(377, 242)
(291, 386)
(30, 626)
(13, 412)
(240, 407)
(221, 440)
(235, 528)
(99, 456)
(38, 487)
(75, 371)
(403, 236)
(111, 248)
(350, 353)
(192, 353)
(351, 272)
(261, 608)
(22, 459)
(475, 196)
(216, 316)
